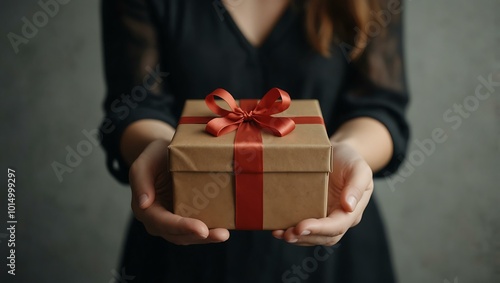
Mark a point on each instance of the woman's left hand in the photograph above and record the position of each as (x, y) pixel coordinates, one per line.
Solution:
(350, 188)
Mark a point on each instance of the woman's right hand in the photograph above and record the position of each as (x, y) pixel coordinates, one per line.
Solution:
(151, 198)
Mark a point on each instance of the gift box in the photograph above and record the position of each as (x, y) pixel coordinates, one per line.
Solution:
(250, 164)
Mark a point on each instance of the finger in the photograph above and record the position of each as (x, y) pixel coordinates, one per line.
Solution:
(318, 241)
(278, 234)
(180, 230)
(358, 180)
(160, 222)
(163, 222)
(326, 231)
(307, 238)
(144, 171)
(336, 223)
(218, 235)
(215, 236)
(290, 235)
(333, 225)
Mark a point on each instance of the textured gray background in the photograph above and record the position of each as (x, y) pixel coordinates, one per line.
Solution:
(443, 220)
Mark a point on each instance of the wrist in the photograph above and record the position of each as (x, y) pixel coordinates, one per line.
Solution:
(367, 137)
(138, 135)
(348, 142)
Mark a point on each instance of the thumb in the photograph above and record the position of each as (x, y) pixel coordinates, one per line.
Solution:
(357, 182)
(144, 172)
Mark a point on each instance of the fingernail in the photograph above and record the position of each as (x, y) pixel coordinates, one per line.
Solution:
(293, 240)
(352, 202)
(305, 233)
(143, 199)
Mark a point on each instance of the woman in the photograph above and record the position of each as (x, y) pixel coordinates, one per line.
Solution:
(346, 54)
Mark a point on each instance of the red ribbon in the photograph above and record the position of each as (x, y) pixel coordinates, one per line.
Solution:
(247, 120)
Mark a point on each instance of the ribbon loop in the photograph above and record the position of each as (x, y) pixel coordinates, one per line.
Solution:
(226, 97)
(269, 104)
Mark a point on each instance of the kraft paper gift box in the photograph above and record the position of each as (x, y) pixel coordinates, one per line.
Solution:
(276, 182)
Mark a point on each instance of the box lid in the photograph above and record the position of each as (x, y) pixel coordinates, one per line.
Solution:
(306, 149)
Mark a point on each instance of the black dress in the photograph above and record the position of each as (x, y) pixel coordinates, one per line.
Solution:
(160, 53)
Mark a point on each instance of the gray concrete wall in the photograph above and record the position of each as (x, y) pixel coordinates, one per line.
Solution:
(442, 217)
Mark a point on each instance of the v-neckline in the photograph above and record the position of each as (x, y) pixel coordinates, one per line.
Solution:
(278, 29)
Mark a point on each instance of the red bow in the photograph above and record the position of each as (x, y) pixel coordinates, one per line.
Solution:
(259, 116)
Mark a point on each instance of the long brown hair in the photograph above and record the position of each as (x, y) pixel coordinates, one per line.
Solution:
(343, 20)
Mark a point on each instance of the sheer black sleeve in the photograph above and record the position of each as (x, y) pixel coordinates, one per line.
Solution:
(134, 77)
(375, 85)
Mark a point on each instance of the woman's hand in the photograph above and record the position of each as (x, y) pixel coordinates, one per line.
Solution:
(151, 198)
(350, 188)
